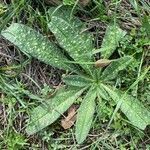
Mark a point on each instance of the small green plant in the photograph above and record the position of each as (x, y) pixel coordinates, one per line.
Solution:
(77, 56)
(15, 141)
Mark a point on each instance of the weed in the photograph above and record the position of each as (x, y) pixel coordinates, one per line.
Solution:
(22, 82)
(93, 84)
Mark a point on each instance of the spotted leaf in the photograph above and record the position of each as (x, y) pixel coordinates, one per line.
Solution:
(78, 81)
(111, 39)
(33, 43)
(77, 44)
(101, 92)
(138, 115)
(51, 110)
(85, 116)
(117, 65)
(65, 13)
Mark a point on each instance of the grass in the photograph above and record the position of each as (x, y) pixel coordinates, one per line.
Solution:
(24, 82)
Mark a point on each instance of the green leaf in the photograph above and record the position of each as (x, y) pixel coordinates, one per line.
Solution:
(75, 80)
(68, 2)
(146, 24)
(131, 107)
(50, 111)
(85, 116)
(36, 45)
(102, 92)
(65, 13)
(112, 70)
(77, 44)
(111, 40)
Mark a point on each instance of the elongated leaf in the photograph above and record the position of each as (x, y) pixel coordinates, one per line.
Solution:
(35, 44)
(111, 39)
(65, 13)
(77, 44)
(112, 70)
(102, 93)
(85, 116)
(47, 113)
(75, 80)
(131, 107)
